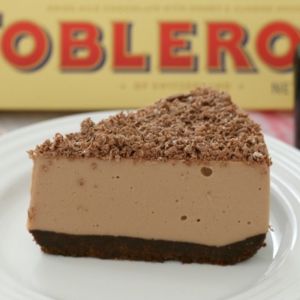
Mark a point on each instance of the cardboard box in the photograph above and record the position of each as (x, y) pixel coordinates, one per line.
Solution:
(87, 54)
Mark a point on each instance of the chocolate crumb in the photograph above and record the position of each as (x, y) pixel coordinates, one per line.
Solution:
(271, 228)
(81, 181)
(31, 213)
(45, 168)
(203, 125)
(94, 165)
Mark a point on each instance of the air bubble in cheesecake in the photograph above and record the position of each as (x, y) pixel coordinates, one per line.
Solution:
(206, 171)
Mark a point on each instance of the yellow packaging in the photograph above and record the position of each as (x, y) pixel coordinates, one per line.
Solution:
(87, 54)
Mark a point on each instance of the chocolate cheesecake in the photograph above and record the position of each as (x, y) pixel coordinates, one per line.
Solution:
(185, 179)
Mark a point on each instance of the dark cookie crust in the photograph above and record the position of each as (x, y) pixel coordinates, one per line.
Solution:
(112, 247)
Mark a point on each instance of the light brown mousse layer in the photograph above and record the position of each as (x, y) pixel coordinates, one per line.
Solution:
(215, 203)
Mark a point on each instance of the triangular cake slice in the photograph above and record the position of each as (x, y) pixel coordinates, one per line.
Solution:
(184, 179)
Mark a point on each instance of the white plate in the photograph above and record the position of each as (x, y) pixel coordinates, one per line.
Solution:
(27, 273)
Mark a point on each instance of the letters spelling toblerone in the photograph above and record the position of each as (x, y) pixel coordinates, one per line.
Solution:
(228, 38)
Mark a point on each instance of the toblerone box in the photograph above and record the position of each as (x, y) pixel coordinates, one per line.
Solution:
(88, 54)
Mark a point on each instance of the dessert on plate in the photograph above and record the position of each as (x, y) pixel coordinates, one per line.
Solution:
(184, 179)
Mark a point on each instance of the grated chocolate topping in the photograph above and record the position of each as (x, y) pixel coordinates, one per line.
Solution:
(202, 125)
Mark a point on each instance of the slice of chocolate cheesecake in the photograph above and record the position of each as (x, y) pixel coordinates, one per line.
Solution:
(184, 179)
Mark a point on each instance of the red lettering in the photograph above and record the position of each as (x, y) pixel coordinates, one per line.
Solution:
(230, 38)
(11, 40)
(266, 40)
(171, 44)
(123, 59)
(80, 47)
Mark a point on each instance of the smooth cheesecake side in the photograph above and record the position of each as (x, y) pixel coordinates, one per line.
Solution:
(124, 189)
(151, 200)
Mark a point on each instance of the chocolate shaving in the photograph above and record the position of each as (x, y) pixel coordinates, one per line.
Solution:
(203, 125)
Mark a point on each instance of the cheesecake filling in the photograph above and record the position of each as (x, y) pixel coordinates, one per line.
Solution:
(213, 203)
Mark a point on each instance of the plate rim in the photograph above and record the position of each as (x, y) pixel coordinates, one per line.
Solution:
(71, 119)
